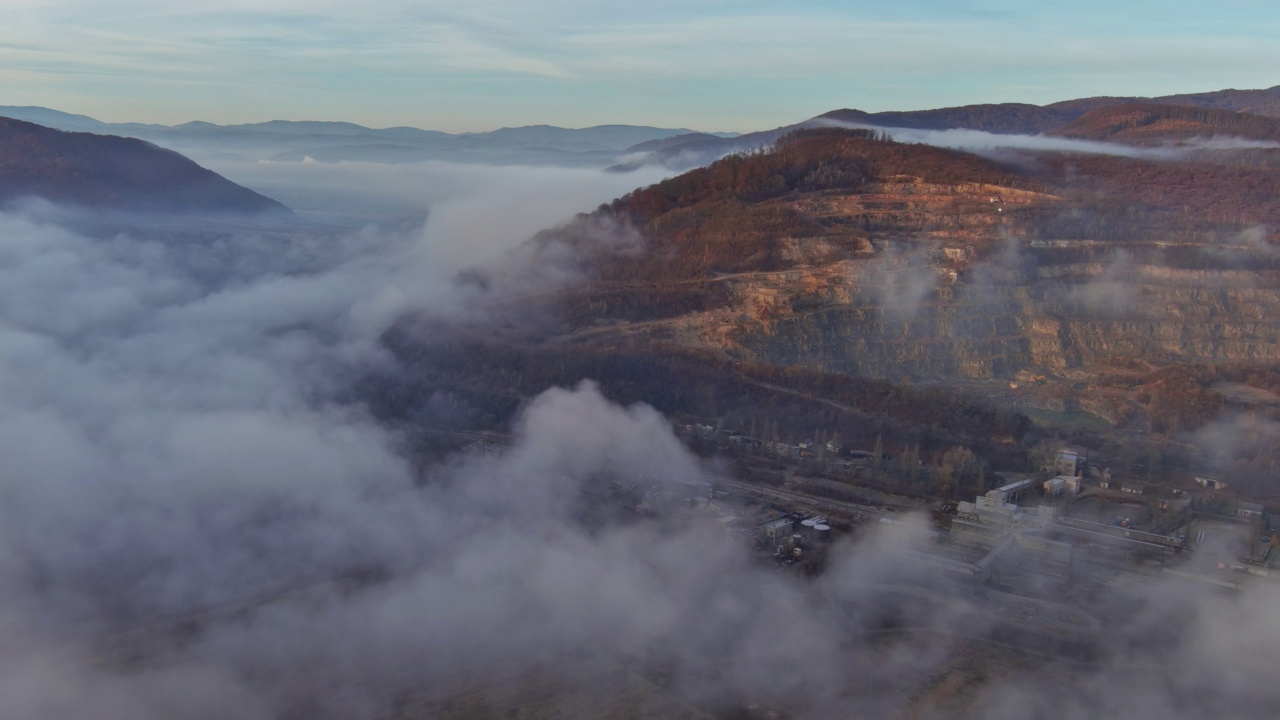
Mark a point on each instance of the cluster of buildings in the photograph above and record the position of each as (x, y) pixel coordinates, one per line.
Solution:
(785, 535)
(994, 538)
(992, 516)
(790, 537)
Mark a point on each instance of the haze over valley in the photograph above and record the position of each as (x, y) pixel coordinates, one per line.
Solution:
(964, 412)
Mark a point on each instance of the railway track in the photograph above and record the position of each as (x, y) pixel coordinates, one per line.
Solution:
(856, 510)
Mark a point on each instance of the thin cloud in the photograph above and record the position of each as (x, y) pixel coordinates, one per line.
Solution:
(615, 64)
(987, 143)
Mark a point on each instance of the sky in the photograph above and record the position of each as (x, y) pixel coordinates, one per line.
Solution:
(705, 64)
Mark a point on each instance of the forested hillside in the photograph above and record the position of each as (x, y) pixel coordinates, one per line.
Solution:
(104, 171)
(831, 279)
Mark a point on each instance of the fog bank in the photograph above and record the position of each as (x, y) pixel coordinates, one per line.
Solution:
(198, 520)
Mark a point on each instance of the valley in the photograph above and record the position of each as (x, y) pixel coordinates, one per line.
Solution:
(1012, 394)
(636, 361)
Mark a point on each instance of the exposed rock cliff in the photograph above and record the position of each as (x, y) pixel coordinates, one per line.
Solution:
(874, 259)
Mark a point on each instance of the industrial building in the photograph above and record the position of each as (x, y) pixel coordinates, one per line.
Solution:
(1069, 463)
(1062, 485)
(989, 517)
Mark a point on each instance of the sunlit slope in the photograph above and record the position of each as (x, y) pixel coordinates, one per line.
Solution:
(850, 253)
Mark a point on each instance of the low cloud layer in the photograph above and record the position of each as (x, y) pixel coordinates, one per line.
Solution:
(1000, 144)
(1113, 290)
(899, 281)
(176, 448)
(197, 521)
(1241, 443)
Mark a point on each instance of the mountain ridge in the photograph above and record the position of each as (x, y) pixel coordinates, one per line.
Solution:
(112, 172)
(1116, 286)
(618, 147)
(998, 118)
(1149, 123)
(337, 141)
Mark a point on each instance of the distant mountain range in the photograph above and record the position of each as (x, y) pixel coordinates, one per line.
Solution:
(87, 164)
(624, 147)
(105, 171)
(284, 140)
(684, 151)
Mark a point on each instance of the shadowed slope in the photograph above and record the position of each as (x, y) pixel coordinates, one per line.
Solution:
(105, 171)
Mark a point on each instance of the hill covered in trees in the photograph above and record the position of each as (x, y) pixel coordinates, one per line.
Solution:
(833, 278)
(821, 197)
(1159, 124)
(105, 171)
(683, 151)
(1026, 119)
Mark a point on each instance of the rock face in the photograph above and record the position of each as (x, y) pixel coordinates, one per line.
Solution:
(104, 171)
(1050, 319)
(909, 266)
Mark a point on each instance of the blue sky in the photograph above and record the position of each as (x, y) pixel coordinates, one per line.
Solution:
(709, 64)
